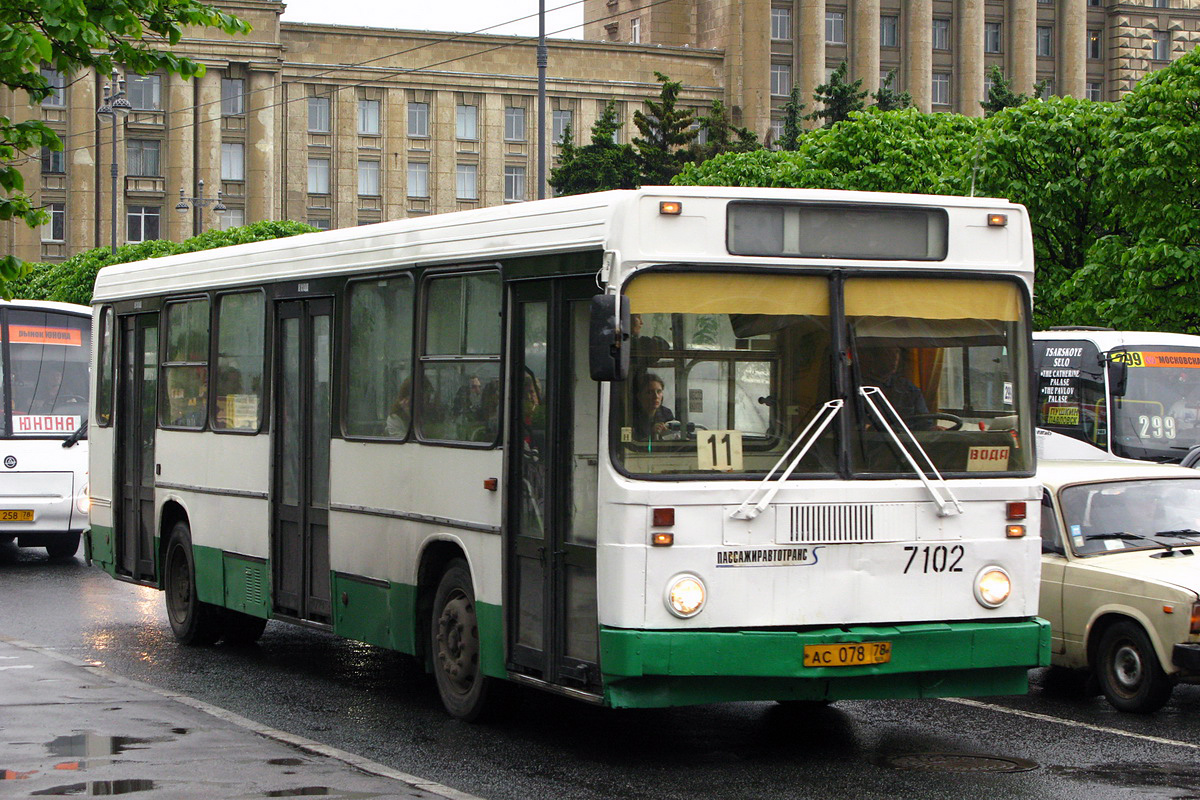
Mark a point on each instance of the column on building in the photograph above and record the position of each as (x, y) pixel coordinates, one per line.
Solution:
(811, 58)
(343, 166)
(918, 79)
(393, 164)
(1072, 48)
(28, 241)
(443, 151)
(261, 164)
(80, 160)
(865, 45)
(294, 203)
(490, 176)
(971, 70)
(181, 152)
(1021, 45)
(754, 41)
(208, 145)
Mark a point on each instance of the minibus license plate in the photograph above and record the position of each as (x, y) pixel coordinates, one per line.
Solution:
(16, 515)
(847, 654)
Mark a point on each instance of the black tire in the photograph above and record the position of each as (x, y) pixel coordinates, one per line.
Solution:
(65, 547)
(1128, 670)
(192, 622)
(454, 644)
(241, 630)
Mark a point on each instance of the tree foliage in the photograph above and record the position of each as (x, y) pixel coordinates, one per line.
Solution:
(888, 99)
(837, 98)
(1001, 94)
(71, 281)
(720, 136)
(69, 36)
(665, 133)
(598, 166)
(792, 114)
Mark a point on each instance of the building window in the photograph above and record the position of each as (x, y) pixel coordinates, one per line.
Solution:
(993, 37)
(1045, 41)
(514, 184)
(1161, 46)
(318, 115)
(1094, 40)
(418, 120)
(466, 125)
(1045, 2)
(781, 23)
(318, 176)
(1162, 3)
(1047, 87)
(321, 223)
(1095, 91)
(514, 124)
(1095, 2)
(54, 79)
(465, 176)
(141, 223)
(368, 117)
(835, 27)
(781, 80)
(233, 97)
(232, 218)
(53, 161)
(144, 92)
(776, 132)
(941, 88)
(561, 120)
(941, 34)
(233, 161)
(889, 31)
(141, 157)
(185, 367)
(418, 179)
(54, 228)
(368, 178)
(635, 30)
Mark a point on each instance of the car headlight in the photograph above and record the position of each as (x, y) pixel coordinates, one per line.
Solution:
(83, 500)
(685, 595)
(992, 586)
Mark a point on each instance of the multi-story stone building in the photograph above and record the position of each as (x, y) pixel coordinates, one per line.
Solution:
(337, 125)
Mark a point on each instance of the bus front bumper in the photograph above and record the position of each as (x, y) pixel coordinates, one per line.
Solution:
(667, 668)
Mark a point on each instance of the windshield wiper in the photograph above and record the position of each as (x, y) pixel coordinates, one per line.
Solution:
(821, 419)
(944, 504)
(1179, 533)
(74, 438)
(1126, 537)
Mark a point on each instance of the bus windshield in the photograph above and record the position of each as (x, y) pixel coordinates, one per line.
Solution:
(1157, 417)
(729, 369)
(45, 373)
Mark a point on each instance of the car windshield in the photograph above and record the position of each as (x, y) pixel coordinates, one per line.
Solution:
(46, 362)
(1158, 415)
(729, 369)
(1132, 515)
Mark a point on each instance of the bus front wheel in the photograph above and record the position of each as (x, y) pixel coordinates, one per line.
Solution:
(454, 642)
(64, 547)
(192, 622)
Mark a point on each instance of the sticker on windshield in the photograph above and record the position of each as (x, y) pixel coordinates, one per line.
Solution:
(1008, 393)
(1060, 415)
(985, 459)
(1077, 536)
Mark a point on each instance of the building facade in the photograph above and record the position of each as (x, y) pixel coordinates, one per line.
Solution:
(337, 125)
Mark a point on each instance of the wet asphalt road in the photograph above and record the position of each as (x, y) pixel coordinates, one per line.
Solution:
(369, 701)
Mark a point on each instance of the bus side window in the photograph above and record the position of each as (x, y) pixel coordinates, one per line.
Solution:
(185, 366)
(104, 380)
(240, 354)
(379, 392)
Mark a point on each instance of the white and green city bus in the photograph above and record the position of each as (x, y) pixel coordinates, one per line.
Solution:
(643, 448)
(44, 352)
(1132, 394)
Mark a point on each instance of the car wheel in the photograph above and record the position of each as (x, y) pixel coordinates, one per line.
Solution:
(454, 643)
(192, 622)
(1128, 670)
(65, 547)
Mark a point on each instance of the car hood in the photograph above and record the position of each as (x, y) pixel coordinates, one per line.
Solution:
(1179, 570)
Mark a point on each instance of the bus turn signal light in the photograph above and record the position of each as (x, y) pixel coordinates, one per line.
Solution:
(1014, 531)
(663, 517)
(997, 220)
(670, 207)
(1195, 618)
(663, 539)
(1015, 510)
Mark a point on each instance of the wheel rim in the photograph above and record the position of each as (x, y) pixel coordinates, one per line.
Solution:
(458, 643)
(1127, 668)
(179, 593)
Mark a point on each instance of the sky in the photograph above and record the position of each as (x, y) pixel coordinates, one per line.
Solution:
(459, 16)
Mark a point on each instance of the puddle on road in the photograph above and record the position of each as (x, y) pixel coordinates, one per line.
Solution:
(321, 791)
(91, 745)
(1167, 775)
(96, 788)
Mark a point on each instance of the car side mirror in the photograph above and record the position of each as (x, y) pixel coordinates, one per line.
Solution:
(608, 338)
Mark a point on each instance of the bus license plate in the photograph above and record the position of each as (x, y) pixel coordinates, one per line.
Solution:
(847, 654)
(16, 515)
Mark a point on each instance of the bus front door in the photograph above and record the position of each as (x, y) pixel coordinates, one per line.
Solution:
(300, 528)
(137, 411)
(551, 535)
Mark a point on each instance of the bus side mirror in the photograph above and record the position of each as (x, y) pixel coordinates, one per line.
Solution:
(1118, 377)
(608, 338)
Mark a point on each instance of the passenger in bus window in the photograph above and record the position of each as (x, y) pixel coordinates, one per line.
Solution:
(650, 416)
(881, 367)
(649, 348)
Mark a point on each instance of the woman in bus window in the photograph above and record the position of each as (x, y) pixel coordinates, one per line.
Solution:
(650, 416)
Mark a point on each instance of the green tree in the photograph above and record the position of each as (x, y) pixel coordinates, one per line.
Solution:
(1002, 96)
(71, 281)
(718, 135)
(888, 99)
(665, 133)
(837, 98)
(792, 131)
(598, 166)
(71, 35)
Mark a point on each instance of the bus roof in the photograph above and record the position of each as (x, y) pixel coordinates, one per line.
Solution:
(47, 305)
(579, 223)
(1111, 340)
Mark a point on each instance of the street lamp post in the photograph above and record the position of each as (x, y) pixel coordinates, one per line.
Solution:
(200, 202)
(115, 106)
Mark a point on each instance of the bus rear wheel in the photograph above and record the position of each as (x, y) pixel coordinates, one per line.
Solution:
(192, 622)
(454, 643)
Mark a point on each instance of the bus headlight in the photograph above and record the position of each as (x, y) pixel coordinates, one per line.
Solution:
(83, 500)
(685, 595)
(992, 586)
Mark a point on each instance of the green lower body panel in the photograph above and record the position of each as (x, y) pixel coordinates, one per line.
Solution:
(100, 547)
(667, 668)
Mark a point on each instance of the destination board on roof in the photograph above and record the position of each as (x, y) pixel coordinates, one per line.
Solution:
(40, 334)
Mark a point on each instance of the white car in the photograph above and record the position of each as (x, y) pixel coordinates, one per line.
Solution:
(1121, 575)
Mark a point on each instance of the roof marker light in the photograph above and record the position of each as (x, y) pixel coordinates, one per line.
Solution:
(670, 207)
(997, 220)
